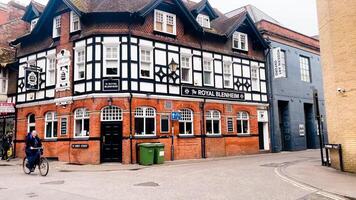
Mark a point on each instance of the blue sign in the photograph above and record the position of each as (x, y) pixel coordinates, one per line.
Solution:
(176, 116)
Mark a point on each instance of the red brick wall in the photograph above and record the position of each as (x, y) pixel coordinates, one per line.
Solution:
(185, 148)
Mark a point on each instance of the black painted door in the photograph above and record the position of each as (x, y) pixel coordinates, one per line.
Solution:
(111, 142)
(261, 135)
(284, 125)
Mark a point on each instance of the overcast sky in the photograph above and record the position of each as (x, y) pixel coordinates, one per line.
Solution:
(299, 15)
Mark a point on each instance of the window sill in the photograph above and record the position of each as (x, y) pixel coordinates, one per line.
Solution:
(81, 139)
(244, 135)
(214, 136)
(145, 137)
(50, 140)
(186, 136)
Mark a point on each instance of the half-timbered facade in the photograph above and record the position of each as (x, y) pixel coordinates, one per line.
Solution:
(96, 79)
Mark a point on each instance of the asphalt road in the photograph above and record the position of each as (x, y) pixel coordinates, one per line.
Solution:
(247, 177)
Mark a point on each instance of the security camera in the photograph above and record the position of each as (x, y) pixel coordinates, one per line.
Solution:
(341, 90)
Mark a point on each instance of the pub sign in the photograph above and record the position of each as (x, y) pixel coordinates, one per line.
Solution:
(32, 79)
(212, 93)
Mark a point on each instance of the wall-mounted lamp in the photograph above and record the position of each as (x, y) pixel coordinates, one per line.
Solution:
(173, 65)
(341, 90)
(110, 101)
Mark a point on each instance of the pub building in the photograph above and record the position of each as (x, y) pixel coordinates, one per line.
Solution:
(97, 78)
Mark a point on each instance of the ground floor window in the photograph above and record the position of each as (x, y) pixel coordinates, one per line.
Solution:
(145, 121)
(243, 125)
(186, 122)
(230, 124)
(51, 125)
(213, 118)
(165, 123)
(81, 123)
(31, 123)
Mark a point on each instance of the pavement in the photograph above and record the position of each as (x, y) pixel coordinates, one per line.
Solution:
(284, 176)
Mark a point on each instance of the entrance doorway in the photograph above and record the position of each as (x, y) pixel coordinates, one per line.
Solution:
(263, 136)
(111, 134)
(284, 125)
(310, 129)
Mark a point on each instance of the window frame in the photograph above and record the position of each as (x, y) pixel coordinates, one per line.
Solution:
(190, 68)
(237, 36)
(144, 116)
(201, 18)
(232, 123)
(105, 59)
(185, 121)
(85, 116)
(255, 80)
(52, 121)
(208, 60)
(31, 124)
(111, 114)
(241, 120)
(52, 80)
(210, 117)
(169, 124)
(231, 74)
(165, 22)
(77, 63)
(305, 73)
(72, 18)
(56, 32)
(150, 63)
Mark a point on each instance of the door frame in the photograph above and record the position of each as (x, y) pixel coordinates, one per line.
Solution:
(101, 138)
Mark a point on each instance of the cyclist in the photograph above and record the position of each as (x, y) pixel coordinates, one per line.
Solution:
(33, 155)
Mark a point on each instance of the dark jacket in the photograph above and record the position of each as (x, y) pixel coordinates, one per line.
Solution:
(32, 142)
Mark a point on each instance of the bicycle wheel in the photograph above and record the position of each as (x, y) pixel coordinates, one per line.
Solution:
(43, 166)
(25, 169)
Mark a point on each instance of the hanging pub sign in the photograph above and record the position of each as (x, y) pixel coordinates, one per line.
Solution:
(212, 93)
(111, 85)
(32, 75)
(6, 108)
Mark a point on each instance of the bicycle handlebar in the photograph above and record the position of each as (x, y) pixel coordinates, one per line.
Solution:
(36, 148)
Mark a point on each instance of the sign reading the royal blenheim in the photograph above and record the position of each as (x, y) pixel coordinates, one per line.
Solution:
(212, 93)
(111, 85)
(32, 76)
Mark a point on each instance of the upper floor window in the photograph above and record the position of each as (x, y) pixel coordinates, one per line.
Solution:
(240, 41)
(203, 20)
(213, 122)
(51, 121)
(80, 63)
(81, 123)
(74, 22)
(51, 70)
(146, 70)
(186, 122)
(186, 69)
(243, 125)
(31, 123)
(165, 22)
(208, 72)
(111, 60)
(33, 23)
(57, 26)
(227, 69)
(255, 77)
(304, 69)
(3, 81)
(145, 121)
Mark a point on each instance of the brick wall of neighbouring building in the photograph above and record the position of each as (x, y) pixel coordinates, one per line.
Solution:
(338, 47)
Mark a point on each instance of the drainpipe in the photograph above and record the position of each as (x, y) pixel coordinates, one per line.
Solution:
(270, 100)
(203, 144)
(130, 99)
(15, 131)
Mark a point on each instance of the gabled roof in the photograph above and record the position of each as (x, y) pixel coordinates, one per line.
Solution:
(201, 6)
(33, 10)
(255, 14)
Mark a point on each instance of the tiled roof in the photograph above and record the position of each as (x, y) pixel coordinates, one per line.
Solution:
(95, 6)
(38, 6)
(255, 13)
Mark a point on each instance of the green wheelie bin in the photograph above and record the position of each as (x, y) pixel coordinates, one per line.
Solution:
(159, 153)
(146, 153)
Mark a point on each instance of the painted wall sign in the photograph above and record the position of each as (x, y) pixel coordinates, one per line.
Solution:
(301, 130)
(32, 76)
(278, 67)
(6, 108)
(212, 93)
(80, 146)
(111, 85)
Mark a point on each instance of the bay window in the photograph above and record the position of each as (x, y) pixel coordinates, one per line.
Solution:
(227, 69)
(145, 121)
(146, 70)
(111, 60)
(81, 123)
(186, 122)
(186, 69)
(51, 122)
(208, 72)
(80, 63)
(243, 125)
(213, 122)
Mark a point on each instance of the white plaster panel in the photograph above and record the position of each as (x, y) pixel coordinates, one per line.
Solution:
(134, 70)
(217, 56)
(263, 87)
(218, 82)
(174, 56)
(98, 39)
(134, 53)
(174, 89)
(51, 52)
(124, 52)
(262, 65)
(161, 88)
(161, 57)
(22, 60)
(124, 70)
(238, 60)
(97, 85)
(134, 40)
(97, 70)
(111, 40)
(160, 45)
(22, 70)
(21, 97)
(207, 55)
(80, 43)
(32, 57)
(197, 63)
(50, 93)
(41, 63)
(248, 97)
(146, 43)
(89, 53)
(79, 88)
(198, 53)
(173, 48)
(263, 74)
(218, 66)
(198, 79)
(264, 98)
(256, 97)
(247, 62)
(124, 85)
(40, 95)
(89, 86)
(89, 73)
(97, 52)
(146, 87)
(42, 54)
(237, 70)
(134, 85)
(124, 39)
(185, 51)
(90, 40)
(246, 71)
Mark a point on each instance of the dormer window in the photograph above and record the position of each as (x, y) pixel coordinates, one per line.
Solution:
(33, 23)
(165, 22)
(240, 41)
(74, 22)
(57, 26)
(203, 20)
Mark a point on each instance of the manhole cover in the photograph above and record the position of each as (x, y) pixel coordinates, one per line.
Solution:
(135, 169)
(148, 184)
(3, 188)
(271, 165)
(5, 165)
(53, 183)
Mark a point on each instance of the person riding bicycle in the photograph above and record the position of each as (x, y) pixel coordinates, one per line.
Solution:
(32, 154)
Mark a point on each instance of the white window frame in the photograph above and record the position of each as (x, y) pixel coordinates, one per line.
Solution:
(51, 71)
(187, 119)
(169, 124)
(237, 36)
(210, 116)
(51, 118)
(227, 124)
(111, 114)
(241, 118)
(33, 23)
(144, 115)
(106, 59)
(165, 22)
(32, 124)
(145, 62)
(305, 73)
(255, 78)
(4, 79)
(211, 70)
(79, 62)
(60, 125)
(203, 20)
(57, 26)
(189, 67)
(225, 75)
(73, 19)
(85, 115)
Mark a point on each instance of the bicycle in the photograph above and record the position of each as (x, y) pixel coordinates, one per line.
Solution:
(42, 163)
